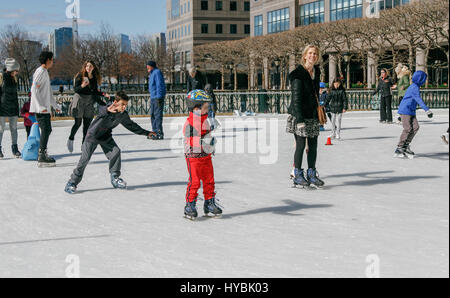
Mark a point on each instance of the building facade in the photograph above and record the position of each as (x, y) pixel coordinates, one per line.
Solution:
(195, 22)
(60, 40)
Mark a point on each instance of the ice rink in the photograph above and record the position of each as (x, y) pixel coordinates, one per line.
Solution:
(377, 215)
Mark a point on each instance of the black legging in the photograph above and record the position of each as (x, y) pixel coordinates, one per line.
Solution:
(86, 122)
(300, 148)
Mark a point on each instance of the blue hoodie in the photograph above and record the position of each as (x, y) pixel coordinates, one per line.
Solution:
(156, 84)
(412, 98)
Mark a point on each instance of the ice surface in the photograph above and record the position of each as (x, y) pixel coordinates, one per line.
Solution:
(373, 204)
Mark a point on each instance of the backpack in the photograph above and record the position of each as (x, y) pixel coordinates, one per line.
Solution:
(31, 149)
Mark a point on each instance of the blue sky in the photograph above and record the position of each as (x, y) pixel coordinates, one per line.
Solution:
(131, 17)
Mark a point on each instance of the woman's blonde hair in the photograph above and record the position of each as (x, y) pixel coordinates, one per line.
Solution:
(305, 51)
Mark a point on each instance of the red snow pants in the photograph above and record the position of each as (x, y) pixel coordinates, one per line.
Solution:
(200, 170)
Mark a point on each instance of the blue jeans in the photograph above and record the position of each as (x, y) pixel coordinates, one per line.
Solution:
(156, 115)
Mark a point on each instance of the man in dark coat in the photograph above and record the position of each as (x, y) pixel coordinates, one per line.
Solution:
(385, 84)
(195, 80)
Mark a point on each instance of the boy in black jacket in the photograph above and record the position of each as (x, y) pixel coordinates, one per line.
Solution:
(100, 133)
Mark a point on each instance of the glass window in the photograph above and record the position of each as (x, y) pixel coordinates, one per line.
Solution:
(219, 5)
(246, 29)
(247, 6)
(278, 20)
(204, 28)
(313, 12)
(233, 29)
(345, 9)
(258, 25)
(204, 5)
(233, 5)
(175, 9)
(219, 28)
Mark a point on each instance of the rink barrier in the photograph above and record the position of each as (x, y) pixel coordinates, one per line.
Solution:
(276, 102)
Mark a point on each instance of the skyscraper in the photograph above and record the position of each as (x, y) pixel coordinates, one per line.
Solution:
(60, 41)
(125, 43)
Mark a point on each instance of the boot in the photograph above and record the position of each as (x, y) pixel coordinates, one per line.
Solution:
(300, 178)
(16, 151)
(313, 178)
(210, 206)
(190, 211)
(118, 182)
(44, 159)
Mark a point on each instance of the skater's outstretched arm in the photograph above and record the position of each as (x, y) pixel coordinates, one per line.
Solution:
(134, 127)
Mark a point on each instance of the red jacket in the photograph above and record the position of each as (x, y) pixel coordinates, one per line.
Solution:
(195, 131)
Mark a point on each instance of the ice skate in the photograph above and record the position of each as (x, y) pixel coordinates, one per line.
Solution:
(313, 179)
(211, 206)
(444, 138)
(190, 211)
(118, 182)
(70, 188)
(1, 153)
(408, 152)
(300, 180)
(400, 153)
(16, 151)
(45, 161)
(70, 146)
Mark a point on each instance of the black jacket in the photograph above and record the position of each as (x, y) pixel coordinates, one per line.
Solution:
(101, 128)
(384, 87)
(337, 101)
(197, 82)
(91, 89)
(9, 101)
(305, 92)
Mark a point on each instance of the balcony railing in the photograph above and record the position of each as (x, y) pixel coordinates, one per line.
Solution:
(259, 102)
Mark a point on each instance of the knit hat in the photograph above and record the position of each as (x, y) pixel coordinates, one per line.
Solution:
(12, 65)
(152, 64)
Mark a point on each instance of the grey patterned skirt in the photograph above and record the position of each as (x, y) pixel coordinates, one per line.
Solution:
(311, 129)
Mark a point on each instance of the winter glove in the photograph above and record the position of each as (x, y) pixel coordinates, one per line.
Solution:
(430, 114)
(301, 125)
(209, 144)
(151, 135)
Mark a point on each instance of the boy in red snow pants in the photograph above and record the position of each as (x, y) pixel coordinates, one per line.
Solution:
(199, 146)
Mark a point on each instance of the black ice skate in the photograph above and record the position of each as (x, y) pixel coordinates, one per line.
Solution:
(190, 211)
(210, 206)
(70, 188)
(16, 151)
(45, 161)
(118, 182)
(313, 179)
(408, 152)
(300, 180)
(1, 153)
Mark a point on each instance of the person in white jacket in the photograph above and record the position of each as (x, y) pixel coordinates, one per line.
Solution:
(42, 101)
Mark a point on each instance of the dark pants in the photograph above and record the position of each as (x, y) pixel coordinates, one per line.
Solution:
(410, 129)
(386, 108)
(78, 121)
(45, 124)
(156, 114)
(300, 148)
(28, 129)
(111, 151)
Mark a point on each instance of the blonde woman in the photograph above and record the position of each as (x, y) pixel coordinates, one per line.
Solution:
(303, 120)
(403, 82)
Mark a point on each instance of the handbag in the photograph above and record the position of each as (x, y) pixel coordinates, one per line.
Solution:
(321, 113)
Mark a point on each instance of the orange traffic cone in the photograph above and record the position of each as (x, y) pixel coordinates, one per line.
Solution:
(328, 142)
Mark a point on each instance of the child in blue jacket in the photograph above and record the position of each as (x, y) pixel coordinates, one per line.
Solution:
(407, 111)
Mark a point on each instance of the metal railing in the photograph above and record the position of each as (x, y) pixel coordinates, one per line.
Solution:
(258, 102)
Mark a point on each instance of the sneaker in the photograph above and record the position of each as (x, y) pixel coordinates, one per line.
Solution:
(70, 145)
